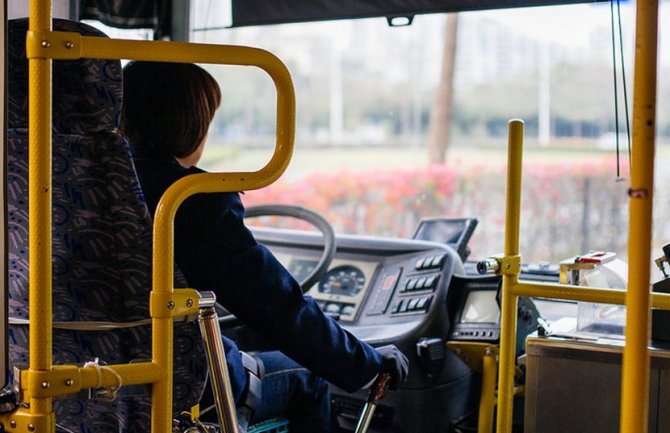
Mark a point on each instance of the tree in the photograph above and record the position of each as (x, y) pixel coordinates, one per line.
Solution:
(441, 114)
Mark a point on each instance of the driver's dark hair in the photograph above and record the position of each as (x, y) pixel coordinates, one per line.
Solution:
(168, 106)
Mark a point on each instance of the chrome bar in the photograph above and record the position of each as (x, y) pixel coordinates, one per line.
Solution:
(376, 393)
(218, 370)
(206, 300)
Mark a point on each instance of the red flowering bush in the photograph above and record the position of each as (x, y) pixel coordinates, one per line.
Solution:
(567, 209)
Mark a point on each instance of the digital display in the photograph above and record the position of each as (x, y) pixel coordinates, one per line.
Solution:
(301, 268)
(480, 307)
(443, 231)
(455, 232)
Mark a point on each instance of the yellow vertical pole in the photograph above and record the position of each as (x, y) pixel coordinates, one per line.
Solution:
(39, 202)
(487, 401)
(635, 376)
(162, 330)
(510, 270)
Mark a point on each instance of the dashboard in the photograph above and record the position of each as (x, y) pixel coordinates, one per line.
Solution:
(341, 290)
(413, 293)
(377, 288)
(389, 291)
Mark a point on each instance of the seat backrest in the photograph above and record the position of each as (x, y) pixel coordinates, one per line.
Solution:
(101, 238)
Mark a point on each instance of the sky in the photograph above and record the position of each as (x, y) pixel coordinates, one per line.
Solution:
(570, 25)
(566, 24)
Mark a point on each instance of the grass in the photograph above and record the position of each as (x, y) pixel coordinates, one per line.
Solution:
(305, 159)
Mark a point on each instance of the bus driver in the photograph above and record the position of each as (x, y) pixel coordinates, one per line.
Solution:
(167, 110)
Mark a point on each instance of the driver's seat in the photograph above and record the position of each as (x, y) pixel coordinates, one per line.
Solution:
(101, 241)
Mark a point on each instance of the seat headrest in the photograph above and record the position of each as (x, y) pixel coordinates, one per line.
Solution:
(87, 93)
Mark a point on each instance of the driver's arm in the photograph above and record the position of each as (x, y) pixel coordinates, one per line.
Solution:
(217, 252)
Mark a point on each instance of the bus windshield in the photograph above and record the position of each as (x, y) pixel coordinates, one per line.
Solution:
(400, 123)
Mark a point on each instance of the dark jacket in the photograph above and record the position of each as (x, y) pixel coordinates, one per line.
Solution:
(216, 252)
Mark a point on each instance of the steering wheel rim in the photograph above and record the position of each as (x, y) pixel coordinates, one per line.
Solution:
(303, 214)
(227, 320)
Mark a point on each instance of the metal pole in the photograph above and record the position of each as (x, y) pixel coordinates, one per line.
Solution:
(39, 202)
(635, 373)
(216, 359)
(510, 270)
(487, 400)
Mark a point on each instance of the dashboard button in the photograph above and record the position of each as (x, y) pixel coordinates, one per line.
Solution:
(411, 284)
(420, 263)
(421, 284)
(424, 303)
(332, 308)
(411, 305)
(430, 282)
(396, 308)
(347, 310)
(437, 261)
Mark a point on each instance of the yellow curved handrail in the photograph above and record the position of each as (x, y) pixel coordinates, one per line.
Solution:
(42, 381)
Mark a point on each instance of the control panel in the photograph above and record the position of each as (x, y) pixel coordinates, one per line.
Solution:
(372, 283)
(371, 287)
(415, 293)
(475, 306)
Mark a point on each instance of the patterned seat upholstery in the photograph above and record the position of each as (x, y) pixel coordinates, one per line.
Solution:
(101, 235)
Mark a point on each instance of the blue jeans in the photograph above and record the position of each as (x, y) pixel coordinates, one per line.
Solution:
(293, 392)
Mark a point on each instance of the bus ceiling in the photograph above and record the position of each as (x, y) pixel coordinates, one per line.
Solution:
(169, 18)
(259, 12)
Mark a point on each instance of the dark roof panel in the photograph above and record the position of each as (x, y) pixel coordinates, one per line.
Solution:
(259, 12)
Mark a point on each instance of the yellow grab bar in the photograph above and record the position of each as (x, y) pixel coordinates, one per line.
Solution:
(163, 230)
(510, 267)
(39, 207)
(42, 46)
(635, 372)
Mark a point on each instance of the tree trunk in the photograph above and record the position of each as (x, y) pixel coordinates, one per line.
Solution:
(441, 114)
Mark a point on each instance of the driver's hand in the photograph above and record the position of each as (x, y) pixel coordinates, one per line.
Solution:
(395, 363)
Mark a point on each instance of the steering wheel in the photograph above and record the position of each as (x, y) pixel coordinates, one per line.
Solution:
(329, 244)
